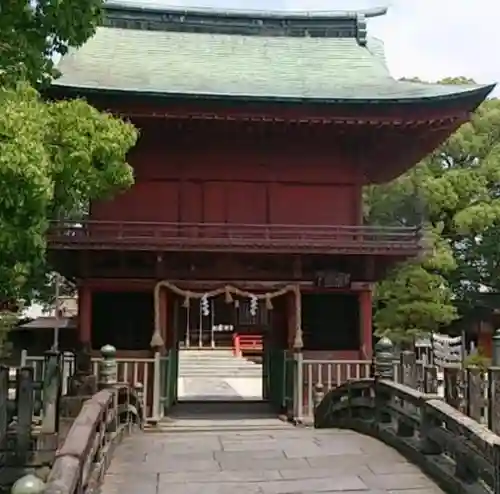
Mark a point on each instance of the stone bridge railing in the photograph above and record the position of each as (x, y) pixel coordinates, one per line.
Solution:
(460, 454)
(85, 454)
(82, 460)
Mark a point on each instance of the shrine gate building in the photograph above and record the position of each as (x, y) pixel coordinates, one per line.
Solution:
(258, 132)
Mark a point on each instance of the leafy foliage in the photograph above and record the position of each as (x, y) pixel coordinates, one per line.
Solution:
(478, 359)
(456, 191)
(412, 302)
(54, 156)
(31, 33)
(7, 321)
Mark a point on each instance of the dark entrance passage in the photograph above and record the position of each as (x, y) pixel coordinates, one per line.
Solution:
(122, 319)
(330, 321)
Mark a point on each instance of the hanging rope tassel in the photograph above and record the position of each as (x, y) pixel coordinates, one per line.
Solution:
(269, 302)
(228, 297)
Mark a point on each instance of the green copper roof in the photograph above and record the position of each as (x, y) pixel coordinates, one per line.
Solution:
(176, 53)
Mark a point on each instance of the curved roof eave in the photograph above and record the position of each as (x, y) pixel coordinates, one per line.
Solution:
(256, 14)
(479, 92)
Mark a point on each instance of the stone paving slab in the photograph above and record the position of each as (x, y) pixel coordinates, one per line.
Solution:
(220, 388)
(285, 461)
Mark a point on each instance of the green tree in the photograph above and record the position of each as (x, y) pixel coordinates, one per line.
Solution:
(8, 320)
(456, 190)
(33, 32)
(416, 298)
(55, 157)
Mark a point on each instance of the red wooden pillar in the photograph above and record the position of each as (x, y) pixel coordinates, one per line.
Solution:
(84, 315)
(365, 310)
(485, 333)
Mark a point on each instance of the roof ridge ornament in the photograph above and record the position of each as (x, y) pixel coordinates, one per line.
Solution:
(361, 29)
(157, 17)
(159, 8)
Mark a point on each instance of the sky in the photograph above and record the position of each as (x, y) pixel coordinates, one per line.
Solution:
(429, 39)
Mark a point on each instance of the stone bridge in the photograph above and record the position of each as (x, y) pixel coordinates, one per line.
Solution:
(271, 458)
(371, 436)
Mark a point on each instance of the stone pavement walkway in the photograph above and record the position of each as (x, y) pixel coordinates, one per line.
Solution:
(276, 458)
(217, 389)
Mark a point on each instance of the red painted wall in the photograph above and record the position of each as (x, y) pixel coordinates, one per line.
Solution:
(242, 185)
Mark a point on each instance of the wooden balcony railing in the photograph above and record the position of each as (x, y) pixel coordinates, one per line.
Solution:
(94, 235)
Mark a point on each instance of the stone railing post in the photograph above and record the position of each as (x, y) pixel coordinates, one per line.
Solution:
(495, 355)
(383, 369)
(52, 382)
(408, 368)
(494, 386)
(408, 377)
(474, 399)
(139, 391)
(384, 359)
(452, 387)
(108, 369)
(494, 399)
(29, 484)
(430, 380)
(428, 446)
(319, 394)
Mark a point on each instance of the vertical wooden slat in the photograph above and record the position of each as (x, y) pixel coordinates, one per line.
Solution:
(146, 387)
(329, 377)
(136, 375)
(309, 390)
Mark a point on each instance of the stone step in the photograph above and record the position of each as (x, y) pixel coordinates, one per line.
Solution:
(206, 353)
(220, 372)
(209, 355)
(198, 427)
(220, 377)
(216, 360)
(218, 365)
(230, 408)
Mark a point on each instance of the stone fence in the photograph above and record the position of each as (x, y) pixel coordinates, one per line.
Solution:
(102, 420)
(460, 454)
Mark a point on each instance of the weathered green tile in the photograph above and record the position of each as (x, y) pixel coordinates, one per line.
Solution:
(170, 62)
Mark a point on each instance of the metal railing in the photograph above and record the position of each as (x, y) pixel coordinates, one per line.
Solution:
(220, 236)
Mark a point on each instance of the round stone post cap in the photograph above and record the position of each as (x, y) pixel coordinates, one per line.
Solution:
(384, 345)
(108, 351)
(29, 484)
